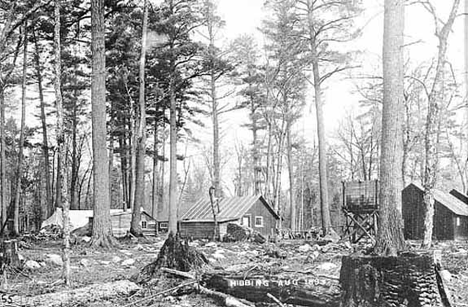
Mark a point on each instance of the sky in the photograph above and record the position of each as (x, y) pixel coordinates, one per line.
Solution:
(244, 16)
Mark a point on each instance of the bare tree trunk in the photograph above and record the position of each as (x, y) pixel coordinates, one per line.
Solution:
(432, 133)
(74, 154)
(61, 146)
(49, 209)
(173, 207)
(255, 149)
(322, 143)
(268, 177)
(390, 235)
(155, 186)
(133, 154)
(3, 156)
(162, 191)
(19, 171)
(406, 141)
(292, 192)
(102, 227)
(466, 81)
(135, 227)
(214, 103)
(124, 171)
(111, 154)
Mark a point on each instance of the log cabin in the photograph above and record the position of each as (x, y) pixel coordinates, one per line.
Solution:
(250, 211)
(450, 214)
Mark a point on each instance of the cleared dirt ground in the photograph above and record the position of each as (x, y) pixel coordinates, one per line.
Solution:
(94, 267)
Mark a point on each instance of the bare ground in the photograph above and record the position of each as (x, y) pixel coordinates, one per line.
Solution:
(91, 267)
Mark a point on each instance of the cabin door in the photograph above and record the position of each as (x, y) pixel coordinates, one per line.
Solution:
(460, 227)
(246, 221)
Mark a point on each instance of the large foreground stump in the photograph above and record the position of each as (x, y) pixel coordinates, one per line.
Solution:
(174, 254)
(407, 280)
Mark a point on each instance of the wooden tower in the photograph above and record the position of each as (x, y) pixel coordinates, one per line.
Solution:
(361, 209)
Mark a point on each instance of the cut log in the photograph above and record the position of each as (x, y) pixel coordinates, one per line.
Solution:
(79, 297)
(406, 280)
(226, 299)
(290, 290)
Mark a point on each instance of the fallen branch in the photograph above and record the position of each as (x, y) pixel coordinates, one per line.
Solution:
(161, 293)
(277, 301)
(178, 273)
(226, 299)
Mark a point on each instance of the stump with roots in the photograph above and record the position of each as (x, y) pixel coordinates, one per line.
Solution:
(174, 254)
(407, 280)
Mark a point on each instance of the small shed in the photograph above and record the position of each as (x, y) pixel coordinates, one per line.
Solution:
(121, 223)
(450, 214)
(250, 211)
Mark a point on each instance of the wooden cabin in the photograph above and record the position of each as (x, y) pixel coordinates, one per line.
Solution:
(121, 223)
(450, 214)
(250, 211)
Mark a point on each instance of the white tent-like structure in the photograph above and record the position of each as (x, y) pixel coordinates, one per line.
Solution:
(78, 218)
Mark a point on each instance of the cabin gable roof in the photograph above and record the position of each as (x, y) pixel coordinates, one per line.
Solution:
(230, 208)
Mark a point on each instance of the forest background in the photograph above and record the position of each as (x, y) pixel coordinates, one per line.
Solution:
(246, 103)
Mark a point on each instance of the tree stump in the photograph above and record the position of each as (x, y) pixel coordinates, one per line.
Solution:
(174, 254)
(10, 254)
(406, 280)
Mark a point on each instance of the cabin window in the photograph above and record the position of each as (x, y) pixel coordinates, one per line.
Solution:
(259, 221)
(163, 225)
(143, 224)
(458, 221)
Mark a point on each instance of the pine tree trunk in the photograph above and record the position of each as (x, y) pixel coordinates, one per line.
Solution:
(292, 191)
(102, 228)
(155, 185)
(277, 176)
(124, 171)
(132, 140)
(135, 227)
(19, 171)
(173, 207)
(62, 172)
(322, 143)
(74, 155)
(465, 19)
(390, 235)
(255, 149)
(3, 156)
(49, 209)
(214, 103)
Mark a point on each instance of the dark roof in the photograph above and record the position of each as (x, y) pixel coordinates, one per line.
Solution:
(461, 196)
(447, 200)
(230, 208)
